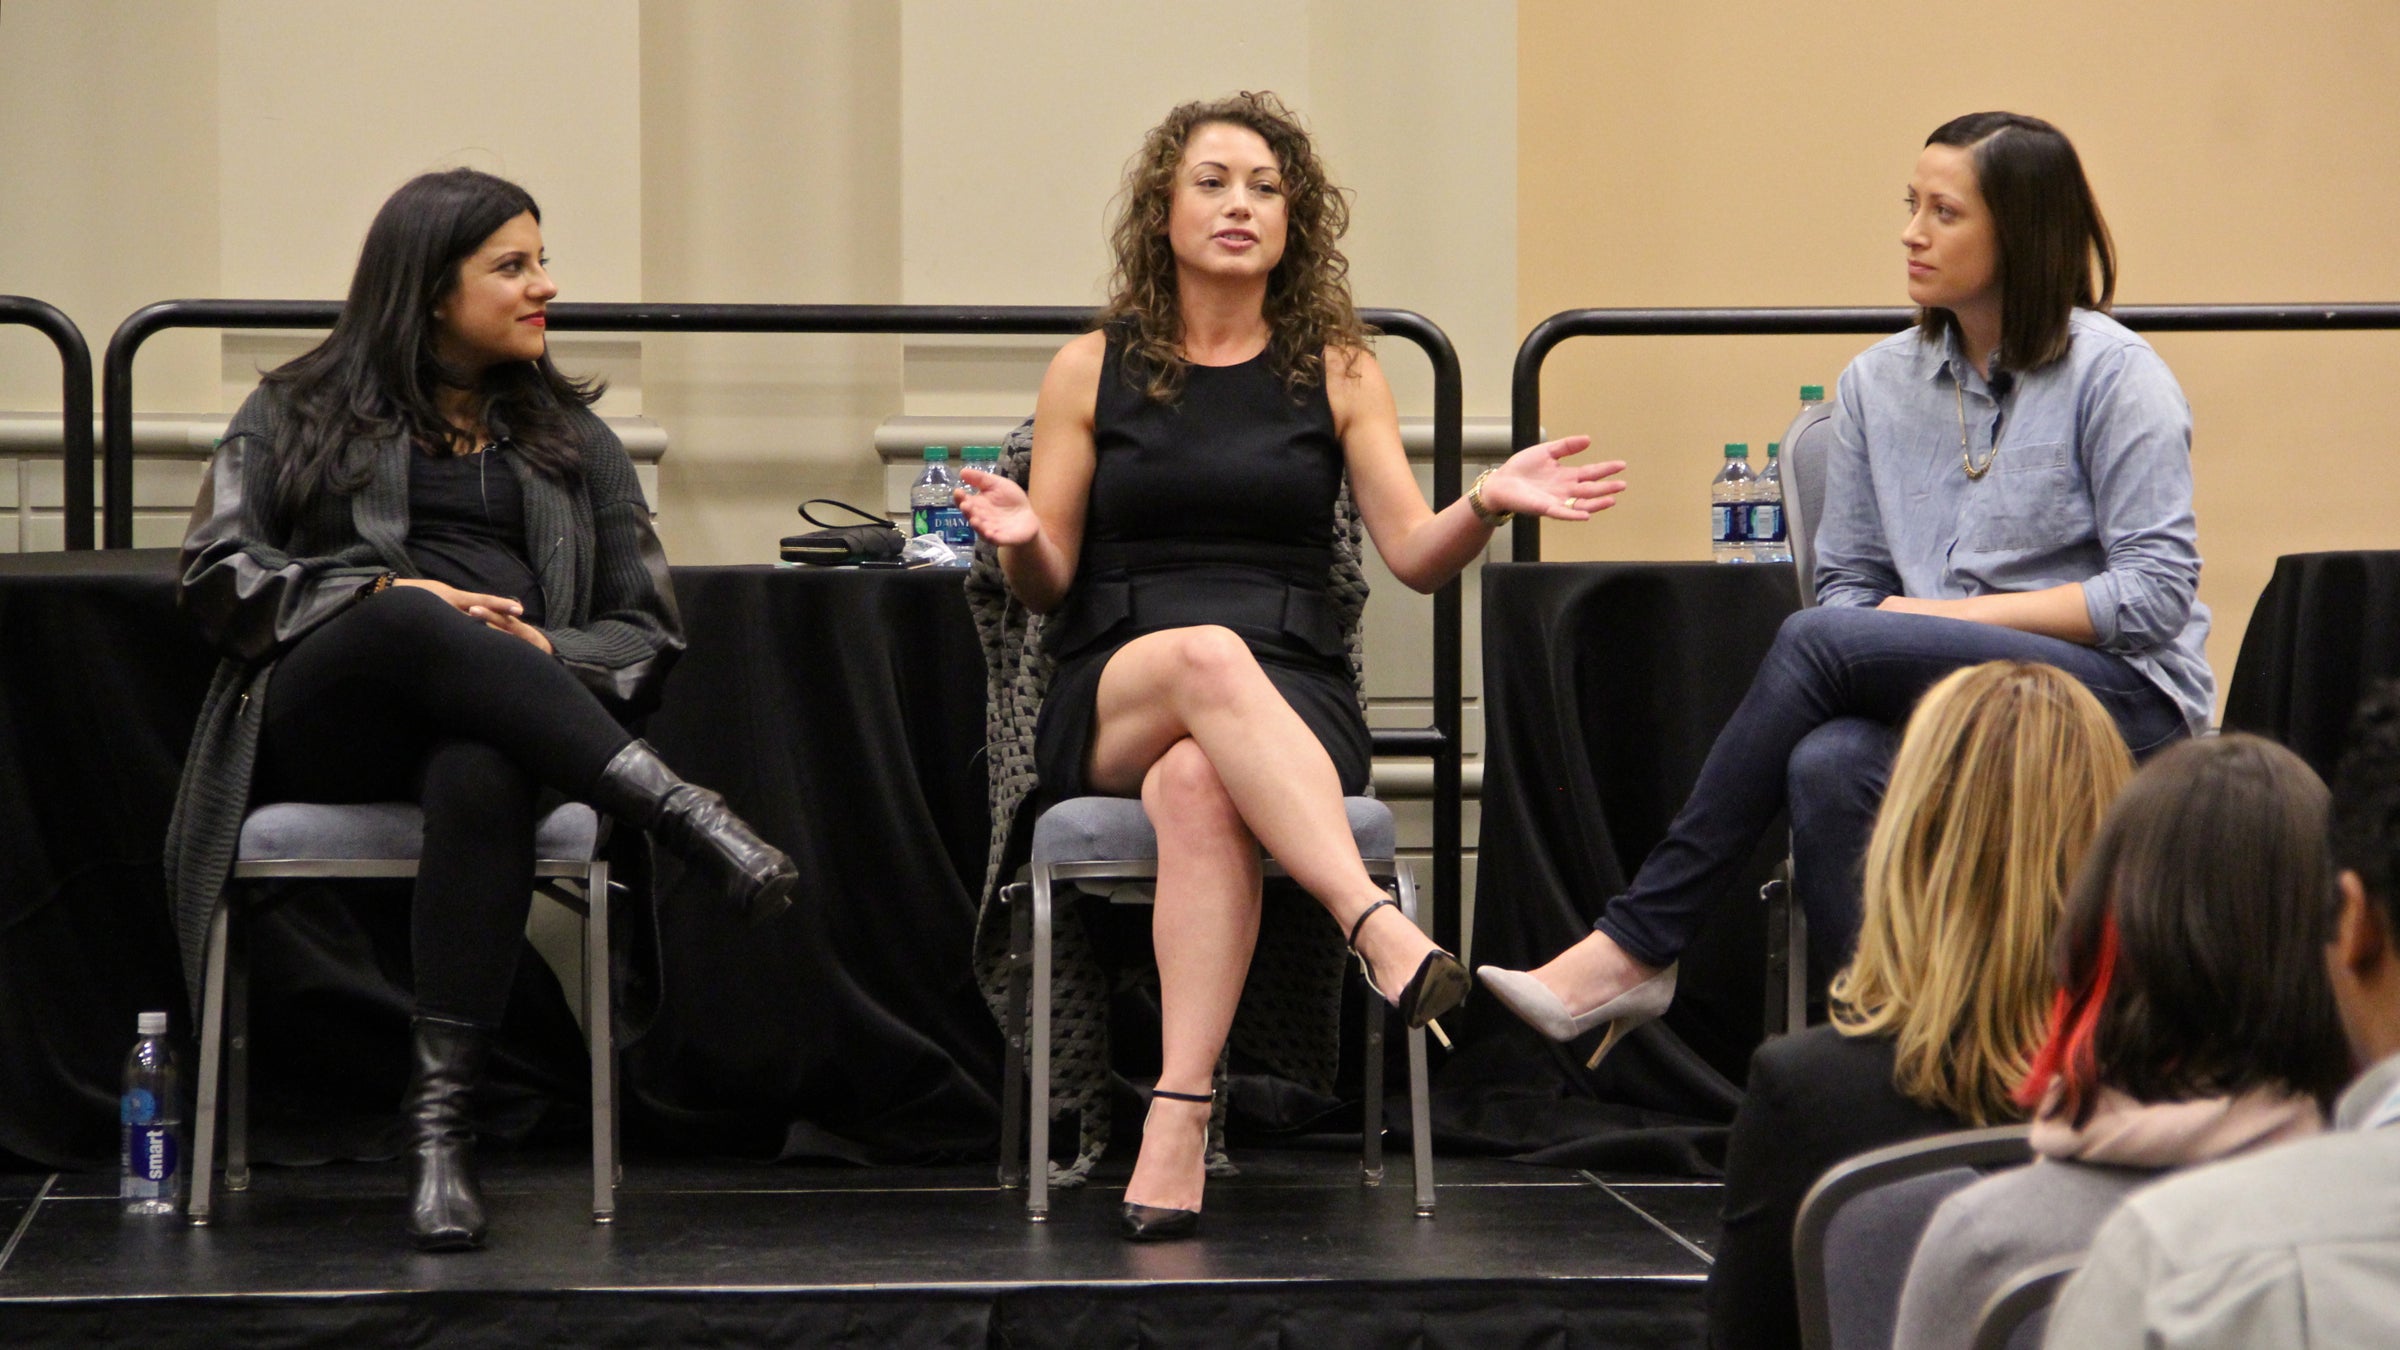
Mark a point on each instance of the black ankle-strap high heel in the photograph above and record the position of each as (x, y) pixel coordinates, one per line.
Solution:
(1160, 1223)
(1439, 984)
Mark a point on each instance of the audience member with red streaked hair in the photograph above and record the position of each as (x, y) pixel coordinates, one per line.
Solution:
(2193, 1020)
(2297, 1247)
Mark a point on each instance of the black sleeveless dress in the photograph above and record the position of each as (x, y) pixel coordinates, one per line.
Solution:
(1216, 509)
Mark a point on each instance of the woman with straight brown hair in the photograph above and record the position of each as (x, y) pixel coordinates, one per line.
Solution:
(2000, 784)
(2010, 480)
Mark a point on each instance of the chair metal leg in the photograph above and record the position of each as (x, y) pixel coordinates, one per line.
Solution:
(1037, 1155)
(1420, 1123)
(200, 1206)
(1420, 1099)
(599, 1024)
(1370, 1161)
(237, 1055)
(1795, 945)
(1012, 1068)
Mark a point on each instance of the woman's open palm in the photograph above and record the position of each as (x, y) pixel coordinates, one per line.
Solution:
(997, 508)
(1536, 481)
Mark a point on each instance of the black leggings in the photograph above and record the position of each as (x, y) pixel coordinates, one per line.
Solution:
(403, 698)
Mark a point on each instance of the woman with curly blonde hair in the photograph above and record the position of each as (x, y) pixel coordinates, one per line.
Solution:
(2003, 778)
(1177, 530)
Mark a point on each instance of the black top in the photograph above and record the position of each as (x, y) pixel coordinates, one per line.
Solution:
(1814, 1099)
(1238, 459)
(466, 526)
(1216, 508)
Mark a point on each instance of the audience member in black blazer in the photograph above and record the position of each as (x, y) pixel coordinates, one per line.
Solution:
(2000, 784)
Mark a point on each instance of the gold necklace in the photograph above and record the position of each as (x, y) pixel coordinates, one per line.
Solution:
(1975, 471)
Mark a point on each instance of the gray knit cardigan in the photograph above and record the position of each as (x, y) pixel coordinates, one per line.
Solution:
(1290, 1011)
(257, 582)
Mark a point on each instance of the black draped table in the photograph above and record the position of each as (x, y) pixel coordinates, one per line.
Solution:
(2326, 629)
(1604, 685)
(840, 711)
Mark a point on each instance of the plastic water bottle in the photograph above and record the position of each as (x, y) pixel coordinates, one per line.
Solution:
(930, 494)
(1770, 540)
(150, 1179)
(985, 458)
(1729, 507)
(1811, 395)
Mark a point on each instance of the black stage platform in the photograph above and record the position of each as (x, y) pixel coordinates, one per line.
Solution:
(1294, 1253)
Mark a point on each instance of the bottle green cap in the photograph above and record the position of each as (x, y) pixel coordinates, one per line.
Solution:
(1737, 450)
(1812, 393)
(1774, 448)
(940, 452)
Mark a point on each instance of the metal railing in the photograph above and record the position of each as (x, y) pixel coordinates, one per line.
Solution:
(1525, 388)
(75, 405)
(1439, 742)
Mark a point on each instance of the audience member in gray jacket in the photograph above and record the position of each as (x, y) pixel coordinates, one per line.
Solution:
(2192, 1021)
(2298, 1247)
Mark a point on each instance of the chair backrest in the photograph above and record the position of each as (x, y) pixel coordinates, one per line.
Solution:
(1807, 445)
(1860, 1223)
(2018, 1312)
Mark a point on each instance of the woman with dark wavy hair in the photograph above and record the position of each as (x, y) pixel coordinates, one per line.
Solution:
(432, 575)
(1177, 530)
(2010, 480)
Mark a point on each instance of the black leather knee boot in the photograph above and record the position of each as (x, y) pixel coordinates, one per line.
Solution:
(695, 825)
(445, 1206)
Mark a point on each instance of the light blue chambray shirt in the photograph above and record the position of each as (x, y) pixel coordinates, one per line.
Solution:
(2092, 484)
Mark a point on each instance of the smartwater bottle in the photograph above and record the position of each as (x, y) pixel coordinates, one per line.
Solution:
(1770, 539)
(150, 1180)
(1729, 507)
(931, 492)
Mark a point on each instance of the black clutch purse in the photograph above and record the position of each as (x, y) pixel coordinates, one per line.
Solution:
(874, 540)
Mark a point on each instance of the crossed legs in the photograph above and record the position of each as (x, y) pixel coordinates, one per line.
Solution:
(1187, 719)
(1821, 719)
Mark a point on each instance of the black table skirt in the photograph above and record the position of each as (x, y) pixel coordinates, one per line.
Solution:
(2326, 629)
(1605, 684)
(841, 712)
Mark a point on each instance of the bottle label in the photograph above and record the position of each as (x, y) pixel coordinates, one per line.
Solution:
(150, 1154)
(1766, 522)
(951, 524)
(137, 1107)
(920, 521)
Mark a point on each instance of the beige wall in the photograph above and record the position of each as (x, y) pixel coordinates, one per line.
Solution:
(929, 151)
(769, 138)
(1753, 153)
(108, 181)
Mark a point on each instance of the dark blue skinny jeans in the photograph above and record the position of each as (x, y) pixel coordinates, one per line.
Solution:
(1818, 731)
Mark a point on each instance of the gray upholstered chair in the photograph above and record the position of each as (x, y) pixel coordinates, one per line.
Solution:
(2017, 1315)
(1109, 839)
(1807, 447)
(1859, 1225)
(1807, 443)
(290, 840)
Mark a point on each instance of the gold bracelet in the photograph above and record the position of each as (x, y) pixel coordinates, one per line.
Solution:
(1491, 519)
